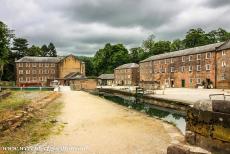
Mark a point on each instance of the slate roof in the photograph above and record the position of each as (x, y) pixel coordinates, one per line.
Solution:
(200, 49)
(225, 45)
(129, 65)
(106, 76)
(40, 59)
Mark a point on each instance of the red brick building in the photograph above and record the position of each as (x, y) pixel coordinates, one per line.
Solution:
(207, 66)
(36, 71)
(127, 74)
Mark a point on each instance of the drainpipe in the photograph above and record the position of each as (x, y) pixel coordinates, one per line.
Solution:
(215, 63)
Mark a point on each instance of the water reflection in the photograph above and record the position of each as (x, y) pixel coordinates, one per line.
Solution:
(168, 115)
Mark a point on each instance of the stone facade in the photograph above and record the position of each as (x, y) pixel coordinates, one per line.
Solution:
(35, 71)
(189, 68)
(127, 74)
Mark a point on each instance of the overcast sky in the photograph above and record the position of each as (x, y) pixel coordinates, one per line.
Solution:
(81, 27)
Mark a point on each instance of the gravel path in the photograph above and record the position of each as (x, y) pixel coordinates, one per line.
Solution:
(98, 126)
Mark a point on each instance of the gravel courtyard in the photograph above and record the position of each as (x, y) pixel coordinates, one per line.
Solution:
(101, 127)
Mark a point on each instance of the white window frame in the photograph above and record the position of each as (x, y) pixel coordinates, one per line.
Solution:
(172, 60)
(20, 64)
(27, 64)
(198, 81)
(208, 67)
(27, 79)
(34, 65)
(21, 79)
(53, 65)
(198, 57)
(172, 69)
(223, 52)
(182, 68)
(165, 61)
(190, 57)
(190, 81)
(27, 71)
(34, 79)
(20, 71)
(183, 58)
(190, 69)
(34, 71)
(223, 64)
(40, 64)
(210, 55)
(223, 77)
(198, 67)
(46, 64)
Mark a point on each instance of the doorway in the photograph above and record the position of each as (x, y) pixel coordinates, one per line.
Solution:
(183, 83)
(172, 83)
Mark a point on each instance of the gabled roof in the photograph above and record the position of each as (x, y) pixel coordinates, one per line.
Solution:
(200, 49)
(225, 45)
(40, 59)
(129, 65)
(106, 76)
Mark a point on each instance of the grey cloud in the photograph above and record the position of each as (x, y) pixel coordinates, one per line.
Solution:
(217, 3)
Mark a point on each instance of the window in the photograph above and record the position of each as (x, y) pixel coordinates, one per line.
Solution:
(40, 65)
(128, 76)
(150, 71)
(40, 78)
(190, 58)
(183, 58)
(208, 55)
(172, 61)
(207, 67)
(165, 61)
(34, 71)
(198, 81)
(47, 65)
(165, 70)
(52, 71)
(46, 71)
(223, 63)
(20, 71)
(34, 64)
(27, 64)
(198, 57)
(223, 53)
(53, 65)
(223, 77)
(172, 69)
(21, 79)
(27, 71)
(20, 65)
(198, 67)
(34, 79)
(182, 68)
(27, 79)
(190, 68)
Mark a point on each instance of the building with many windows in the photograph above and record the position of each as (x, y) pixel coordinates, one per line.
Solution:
(127, 74)
(35, 71)
(207, 66)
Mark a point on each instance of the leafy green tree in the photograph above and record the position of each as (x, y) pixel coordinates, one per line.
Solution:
(137, 54)
(52, 51)
(177, 45)
(160, 47)
(196, 37)
(149, 43)
(34, 51)
(44, 51)
(219, 35)
(5, 37)
(20, 46)
(89, 68)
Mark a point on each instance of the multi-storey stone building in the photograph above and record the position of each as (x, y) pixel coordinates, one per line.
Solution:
(127, 74)
(207, 66)
(35, 71)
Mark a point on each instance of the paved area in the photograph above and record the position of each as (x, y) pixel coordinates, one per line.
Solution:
(102, 127)
(188, 95)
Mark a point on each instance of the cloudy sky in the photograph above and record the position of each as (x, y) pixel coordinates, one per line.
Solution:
(81, 27)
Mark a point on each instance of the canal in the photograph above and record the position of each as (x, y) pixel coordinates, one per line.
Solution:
(171, 116)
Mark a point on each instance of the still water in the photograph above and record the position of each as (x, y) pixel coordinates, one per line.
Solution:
(171, 116)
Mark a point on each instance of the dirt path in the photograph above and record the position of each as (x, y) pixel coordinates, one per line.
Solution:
(102, 127)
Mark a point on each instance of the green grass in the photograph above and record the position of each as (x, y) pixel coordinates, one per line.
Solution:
(13, 102)
(42, 124)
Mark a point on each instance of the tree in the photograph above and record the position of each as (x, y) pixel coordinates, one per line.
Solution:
(89, 67)
(137, 54)
(20, 45)
(52, 50)
(160, 47)
(195, 37)
(219, 35)
(5, 37)
(34, 51)
(44, 51)
(149, 43)
(177, 45)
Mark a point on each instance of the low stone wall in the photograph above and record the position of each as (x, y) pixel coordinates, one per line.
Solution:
(17, 119)
(208, 126)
